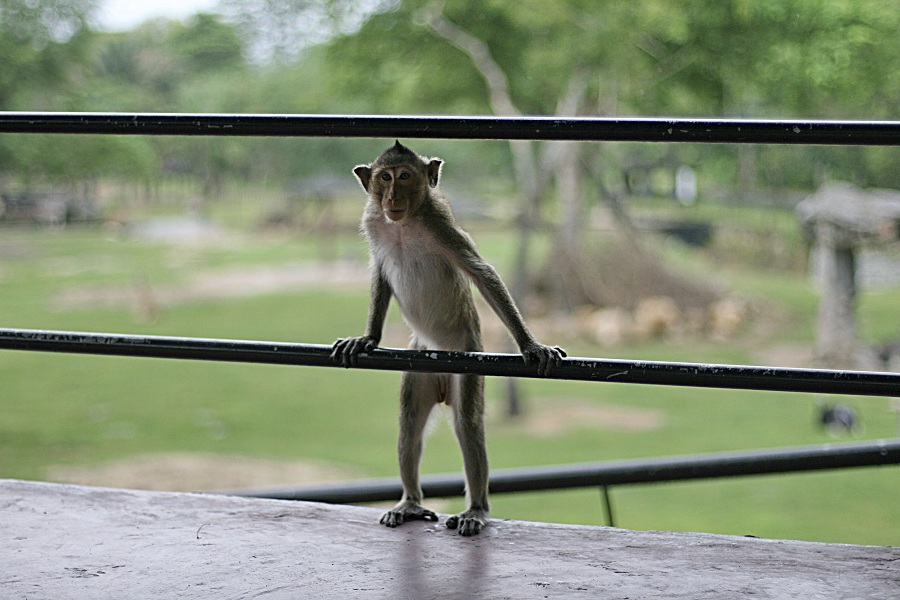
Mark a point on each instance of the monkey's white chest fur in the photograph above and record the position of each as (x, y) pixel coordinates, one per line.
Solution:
(434, 295)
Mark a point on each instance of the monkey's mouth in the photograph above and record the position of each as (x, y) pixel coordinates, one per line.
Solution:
(395, 214)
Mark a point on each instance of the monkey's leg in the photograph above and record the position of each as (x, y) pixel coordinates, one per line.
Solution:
(468, 412)
(418, 395)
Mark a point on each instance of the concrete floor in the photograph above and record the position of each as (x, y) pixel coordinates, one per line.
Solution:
(64, 541)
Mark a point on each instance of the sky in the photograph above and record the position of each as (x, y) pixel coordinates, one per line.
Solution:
(122, 15)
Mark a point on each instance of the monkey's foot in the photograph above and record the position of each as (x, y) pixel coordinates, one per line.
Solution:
(407, 512)
(468, 523)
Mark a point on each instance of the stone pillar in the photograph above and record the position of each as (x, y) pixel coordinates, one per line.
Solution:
(835, 257)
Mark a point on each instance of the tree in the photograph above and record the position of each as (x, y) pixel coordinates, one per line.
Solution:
(658, 56)
(32, 34)
(206, 44)
(278, 30)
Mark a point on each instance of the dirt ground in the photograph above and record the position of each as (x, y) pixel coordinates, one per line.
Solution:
(560, 415)
(214, 284)
(198, 472)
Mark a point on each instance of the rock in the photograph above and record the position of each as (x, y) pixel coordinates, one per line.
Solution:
(610, 326)
(727, 316)
(656, 317)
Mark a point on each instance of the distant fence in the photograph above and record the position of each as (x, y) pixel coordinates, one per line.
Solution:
(851, 133)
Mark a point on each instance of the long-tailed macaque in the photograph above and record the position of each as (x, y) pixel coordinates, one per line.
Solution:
(421, 257)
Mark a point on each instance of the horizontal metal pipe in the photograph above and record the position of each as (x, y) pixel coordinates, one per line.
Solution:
(863, 383)
(655, 470)
(613, 129)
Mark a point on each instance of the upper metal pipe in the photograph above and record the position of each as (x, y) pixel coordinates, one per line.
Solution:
(609, 129)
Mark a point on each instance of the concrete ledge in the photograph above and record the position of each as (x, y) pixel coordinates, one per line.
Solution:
(63, 541)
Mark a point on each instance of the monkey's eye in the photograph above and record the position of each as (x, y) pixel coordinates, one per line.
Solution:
(404, 175)
(385, 176)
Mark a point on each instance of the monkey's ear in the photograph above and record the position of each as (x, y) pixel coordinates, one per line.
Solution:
(364, 174)
(434, 171)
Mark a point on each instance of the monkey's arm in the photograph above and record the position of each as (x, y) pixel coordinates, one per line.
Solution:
(488, 282)
(345, 350)
(497, 295)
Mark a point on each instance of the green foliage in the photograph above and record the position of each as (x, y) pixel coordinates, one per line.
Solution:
(684, 57)
(40, 41)
(278, 31)
(57, 159)
(206, 44)
(392, 65)
(810, 59)
(814, 58)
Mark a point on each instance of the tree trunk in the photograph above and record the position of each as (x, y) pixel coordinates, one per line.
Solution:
(747, 170)
(524, 164)
(569, 187)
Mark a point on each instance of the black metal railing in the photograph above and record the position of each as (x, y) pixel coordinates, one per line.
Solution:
(731, 131)
(604, 475)
(863, 383)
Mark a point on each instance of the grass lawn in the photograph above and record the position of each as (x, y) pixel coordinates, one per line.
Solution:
(72, 410)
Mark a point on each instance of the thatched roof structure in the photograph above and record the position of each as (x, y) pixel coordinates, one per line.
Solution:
(858, 214)
(837, 219)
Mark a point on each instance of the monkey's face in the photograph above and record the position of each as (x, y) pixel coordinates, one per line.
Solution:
(398, 190)
(398, 181)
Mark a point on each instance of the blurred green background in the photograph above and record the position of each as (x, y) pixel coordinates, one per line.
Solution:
(256, 239)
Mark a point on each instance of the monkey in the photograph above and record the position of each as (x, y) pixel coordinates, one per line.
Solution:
(423, 259)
